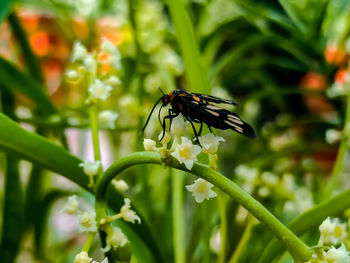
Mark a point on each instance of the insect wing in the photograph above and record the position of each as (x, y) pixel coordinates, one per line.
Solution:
(210, 111)
(214, 99)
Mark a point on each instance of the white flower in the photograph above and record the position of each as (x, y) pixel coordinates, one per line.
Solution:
(149, 145)
(335, 255)
(107, 119)
(336, 90)
(111, 53)
(72, 75)
(90, 63)
(120, 185)
(248, 176)
(333, 136)
(90, 168)
(179, 126)
(332, 231)
(117, 239)
(105, 260)
(128, 214)
(210, 143)
(269, 179)
(99, 90)
(201, 189)
(79, 52)
(82, 257)
(186, 152)
(166, 139)
(71, 206)
(113, 81)
(87, 222)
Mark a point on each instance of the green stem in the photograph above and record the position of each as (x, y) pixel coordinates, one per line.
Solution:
(94, 131)
(338, 167)
(178, 217)
(309, 220)
(222, 205)
(88, 241)
(195, 73)
(243, 242)
(295, 246)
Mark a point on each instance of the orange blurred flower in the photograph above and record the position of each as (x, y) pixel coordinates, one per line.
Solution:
(40, 43)
(335, 55)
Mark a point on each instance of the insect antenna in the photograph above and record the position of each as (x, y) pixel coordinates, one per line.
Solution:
(149, 116)
(161, 91)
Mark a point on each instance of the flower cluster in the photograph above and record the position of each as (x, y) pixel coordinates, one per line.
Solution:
(87, 221)
(332, 244)
(186, 153)
(97, 70)
(267, 184)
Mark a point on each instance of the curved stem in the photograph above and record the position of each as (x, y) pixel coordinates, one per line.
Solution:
(295, 246)
(309, 220)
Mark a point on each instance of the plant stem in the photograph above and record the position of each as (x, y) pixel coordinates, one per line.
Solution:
(338, 167)
(222, 205)
(244, 240)
(94, 132)
(88, 241)
(295, 246)
(178, 224)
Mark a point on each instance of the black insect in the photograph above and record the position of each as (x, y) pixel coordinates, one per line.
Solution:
(196, 108)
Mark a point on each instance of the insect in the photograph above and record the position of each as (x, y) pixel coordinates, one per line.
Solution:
(197, 108)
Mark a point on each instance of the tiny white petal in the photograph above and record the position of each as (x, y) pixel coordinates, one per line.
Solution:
(79, 52)
(90, 168)
(87, 222)
(210, 143)
(120, 185)
(149, 144)
(107, 119)
(71, 206)
(128, 214)
(201, 189)
(82, 257)
(186, 152)
(179, 126)
(99, 90)
(333, 136)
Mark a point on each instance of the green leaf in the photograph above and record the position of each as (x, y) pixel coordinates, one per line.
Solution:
(5, 6)
(35, 148)
(195, 73)
(12, 228)
(41, 219)
(31, 60)
(210, 20)
(305, 14)
(11, 77)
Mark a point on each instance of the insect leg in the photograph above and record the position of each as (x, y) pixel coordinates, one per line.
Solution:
(211, 130)
(170, 117)
(200, 129)
(194, 130)
(171, 113)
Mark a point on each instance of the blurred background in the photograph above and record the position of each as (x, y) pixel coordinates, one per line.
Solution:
(285, 63)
